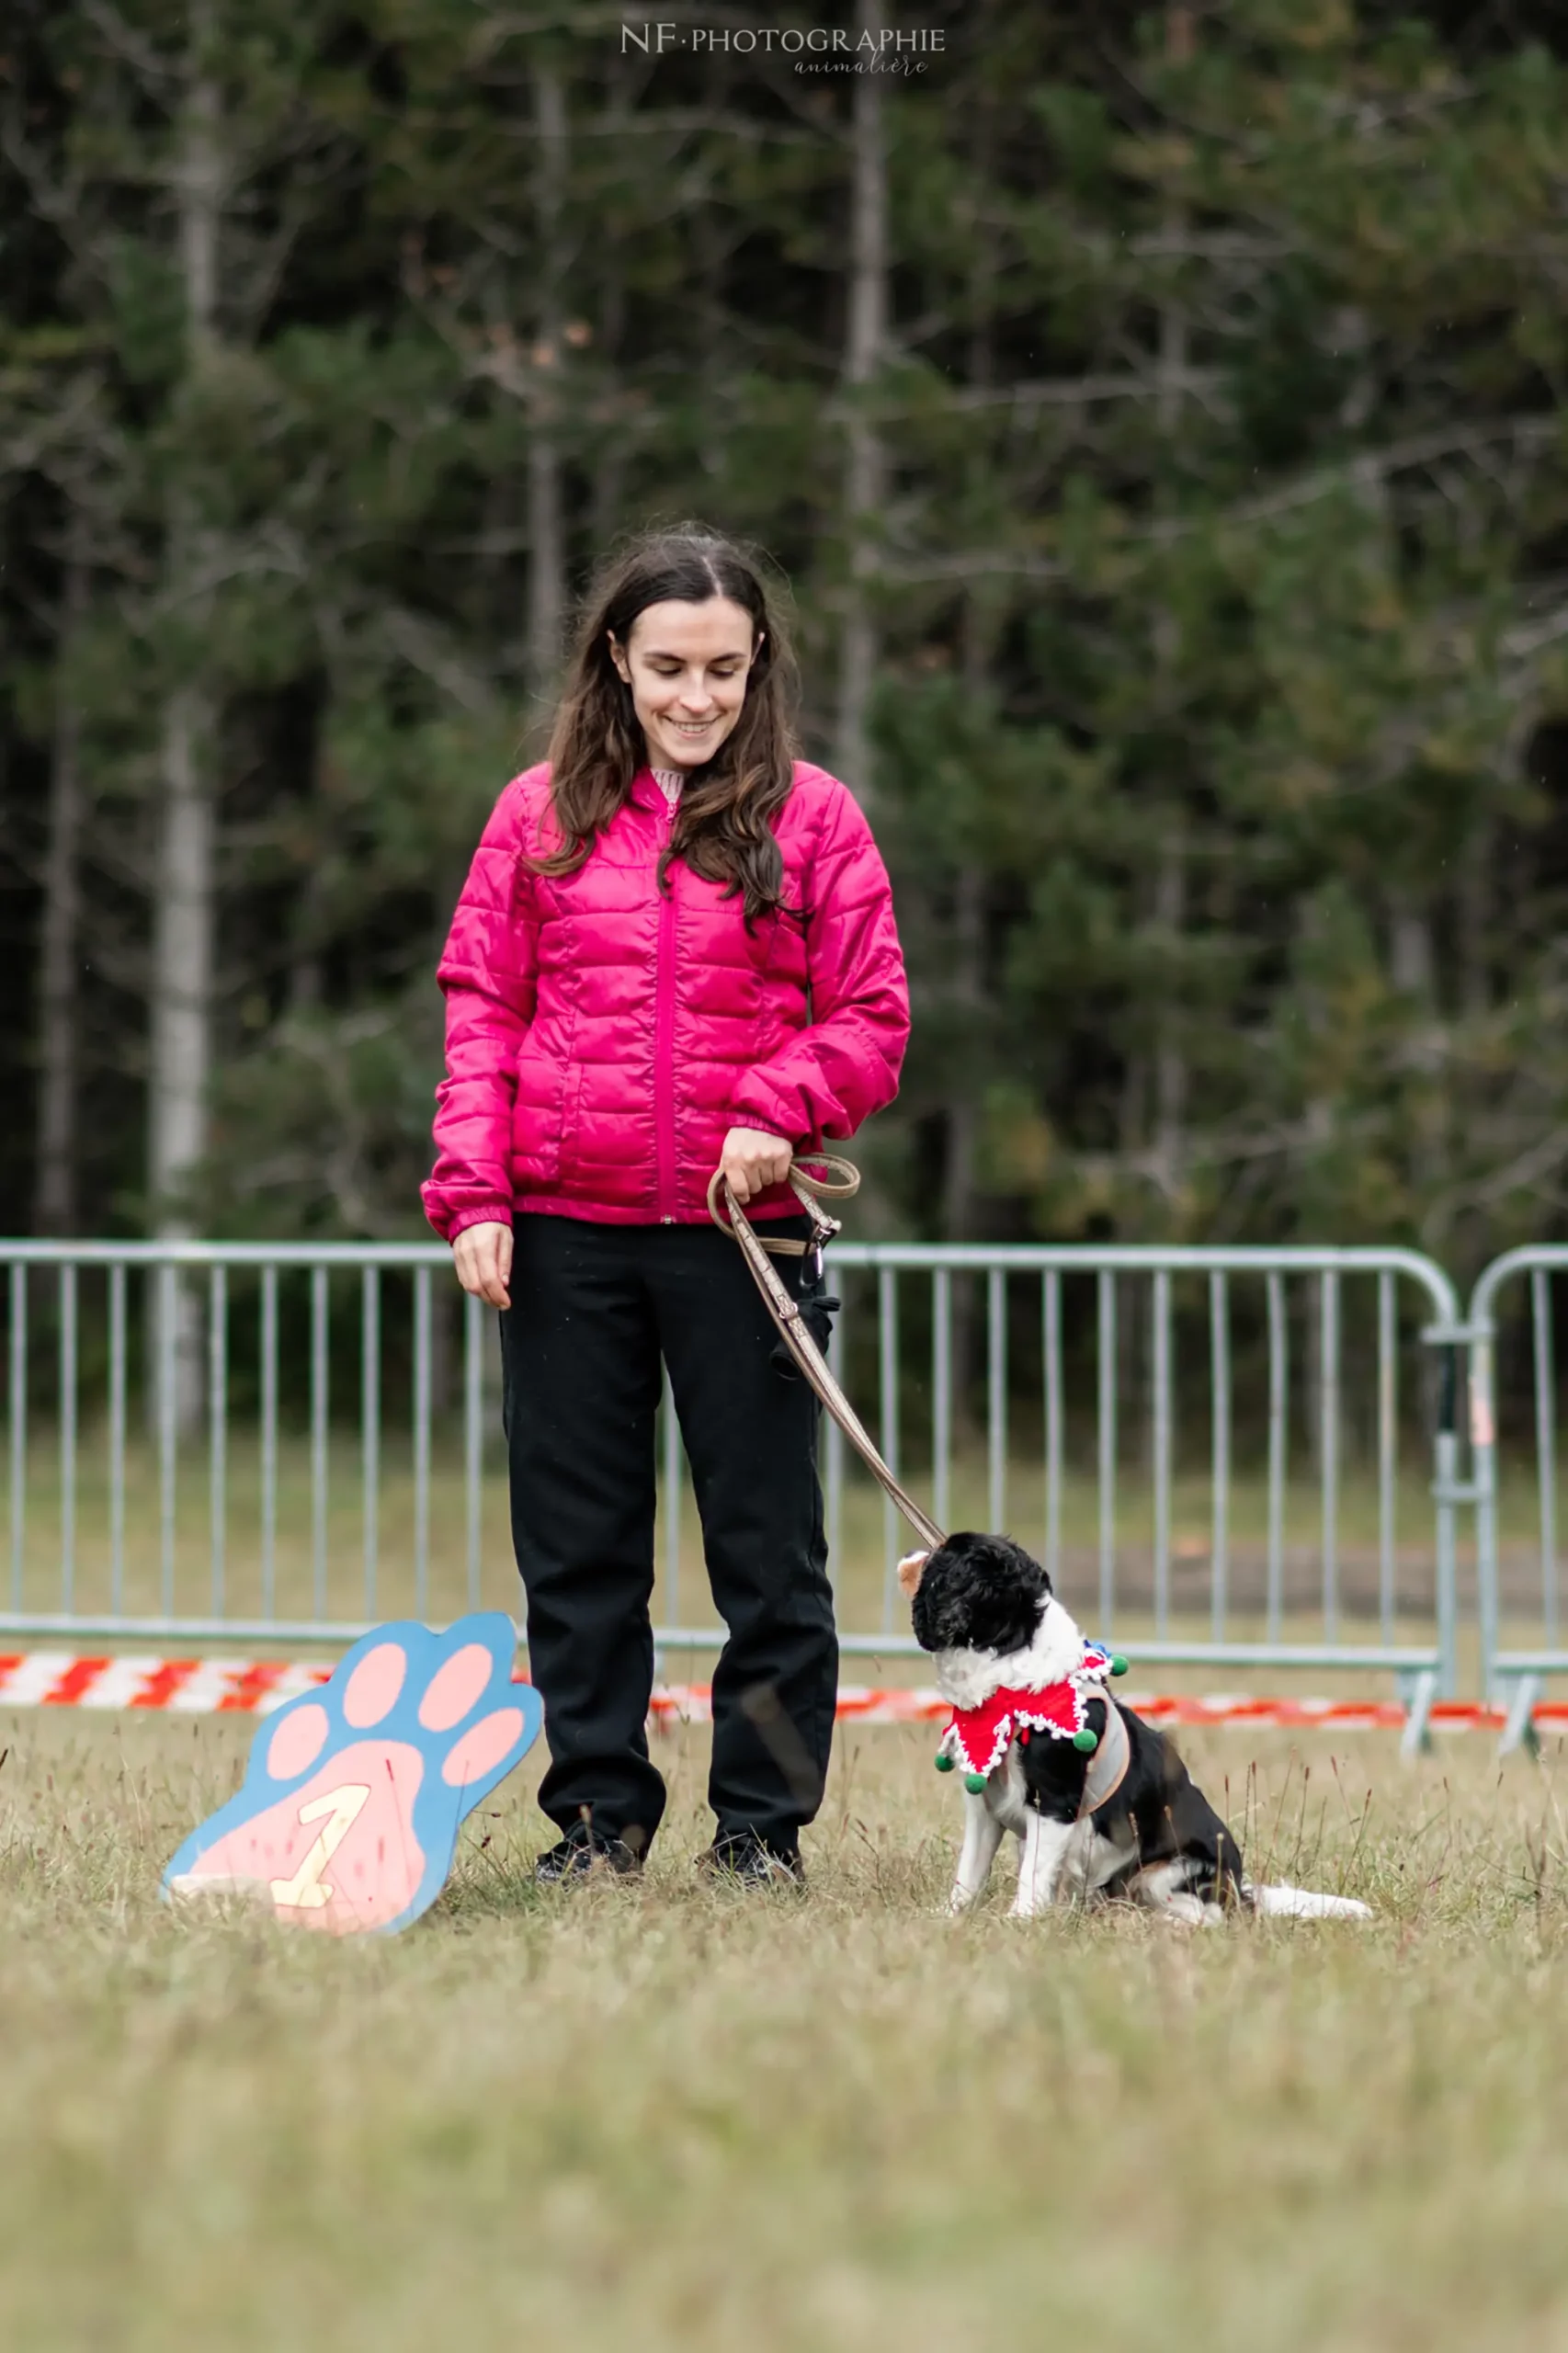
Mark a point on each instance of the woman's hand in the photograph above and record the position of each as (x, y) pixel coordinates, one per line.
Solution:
(483, 1257)
(752, 1161)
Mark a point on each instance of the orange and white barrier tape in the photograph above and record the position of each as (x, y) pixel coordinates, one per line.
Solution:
(200, 1687)
(859, 1704)
(190, 1686)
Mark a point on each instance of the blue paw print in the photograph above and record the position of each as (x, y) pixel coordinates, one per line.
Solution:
(354, 1795)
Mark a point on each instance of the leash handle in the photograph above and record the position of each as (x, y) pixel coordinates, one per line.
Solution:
(810, 1191)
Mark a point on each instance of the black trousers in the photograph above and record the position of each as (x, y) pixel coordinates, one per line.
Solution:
(594, 1308)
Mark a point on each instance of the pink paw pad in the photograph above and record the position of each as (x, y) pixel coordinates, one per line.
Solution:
(395, 1756)
(340, 1853)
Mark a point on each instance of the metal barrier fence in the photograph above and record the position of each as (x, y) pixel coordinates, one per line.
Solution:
(1531, 1599)
(1084, 1348)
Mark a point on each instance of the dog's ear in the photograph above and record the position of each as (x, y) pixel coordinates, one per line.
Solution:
(911, 1569)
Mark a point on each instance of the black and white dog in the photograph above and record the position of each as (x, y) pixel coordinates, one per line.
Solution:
(1100, 1803)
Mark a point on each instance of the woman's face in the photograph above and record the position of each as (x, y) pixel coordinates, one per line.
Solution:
(687, 668)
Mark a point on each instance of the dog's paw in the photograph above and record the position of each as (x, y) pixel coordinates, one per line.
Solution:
(354, 1793)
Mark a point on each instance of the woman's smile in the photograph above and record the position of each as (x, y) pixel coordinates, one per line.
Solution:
(687, 666)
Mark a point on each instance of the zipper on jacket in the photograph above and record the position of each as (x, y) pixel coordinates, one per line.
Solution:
(664, 1040)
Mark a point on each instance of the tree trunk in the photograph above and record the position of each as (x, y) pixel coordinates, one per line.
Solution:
(55, 1195)
(969, 952)
(1413, 970)
(865, 470)
(547, 561)
(1410, 950)
(1170, 1057)
(606, 489)
(182, 954)
(959, 1172)
(1173, 317)
(982, 616)
(1132, 1324)
(1474, 897)
(184, 882)
(182, 1006)
(1170, 880)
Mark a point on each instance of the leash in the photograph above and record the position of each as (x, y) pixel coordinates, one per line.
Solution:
(841, 1185)
(1107, 1767)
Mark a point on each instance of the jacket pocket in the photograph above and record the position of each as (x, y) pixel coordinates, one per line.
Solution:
(538, 1109)
(569, 1130)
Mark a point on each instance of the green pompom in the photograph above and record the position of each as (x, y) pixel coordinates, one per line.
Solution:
(1085, 1740)
(944, 1762)
(1118, 1663)
(974, 1783)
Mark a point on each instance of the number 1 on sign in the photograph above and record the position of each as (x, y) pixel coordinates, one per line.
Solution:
(307, 1891)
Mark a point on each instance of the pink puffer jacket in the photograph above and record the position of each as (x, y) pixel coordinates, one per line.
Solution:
(602, 1036)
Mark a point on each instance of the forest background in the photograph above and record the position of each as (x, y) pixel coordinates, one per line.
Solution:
(1158, 415)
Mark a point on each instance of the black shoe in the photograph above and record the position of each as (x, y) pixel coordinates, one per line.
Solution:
(583, 1853)
(746, 1860)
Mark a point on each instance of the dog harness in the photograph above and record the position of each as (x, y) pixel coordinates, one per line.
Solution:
(978, 1739)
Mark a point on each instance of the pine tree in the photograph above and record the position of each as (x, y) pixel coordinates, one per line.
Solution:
(1155, 416)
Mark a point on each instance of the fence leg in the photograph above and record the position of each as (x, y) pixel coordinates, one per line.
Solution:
(1445, 1489)
(1484, 1458)
(1518, 1731)
(1417, 1692)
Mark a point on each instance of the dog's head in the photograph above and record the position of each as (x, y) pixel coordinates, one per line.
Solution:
(976, 1593)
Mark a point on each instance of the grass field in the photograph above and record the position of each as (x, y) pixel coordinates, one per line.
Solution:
(652, 2116)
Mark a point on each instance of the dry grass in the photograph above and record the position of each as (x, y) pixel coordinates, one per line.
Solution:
(650, 2116)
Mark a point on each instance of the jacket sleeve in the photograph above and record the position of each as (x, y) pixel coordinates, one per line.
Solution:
(488, 971)
(831, 1076)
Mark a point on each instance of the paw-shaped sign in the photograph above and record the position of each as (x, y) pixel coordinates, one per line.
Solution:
(354, 1793)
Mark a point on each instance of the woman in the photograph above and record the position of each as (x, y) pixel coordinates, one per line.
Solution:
(674, 951)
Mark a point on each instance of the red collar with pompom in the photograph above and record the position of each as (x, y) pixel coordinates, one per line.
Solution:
(977, 1739)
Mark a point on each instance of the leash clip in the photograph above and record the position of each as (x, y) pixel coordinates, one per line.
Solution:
(824, 1229)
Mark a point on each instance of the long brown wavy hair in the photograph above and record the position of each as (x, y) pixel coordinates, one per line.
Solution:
(723, 824)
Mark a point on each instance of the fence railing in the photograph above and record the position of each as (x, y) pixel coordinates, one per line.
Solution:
(1520, 1600)
(1211, 1449)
